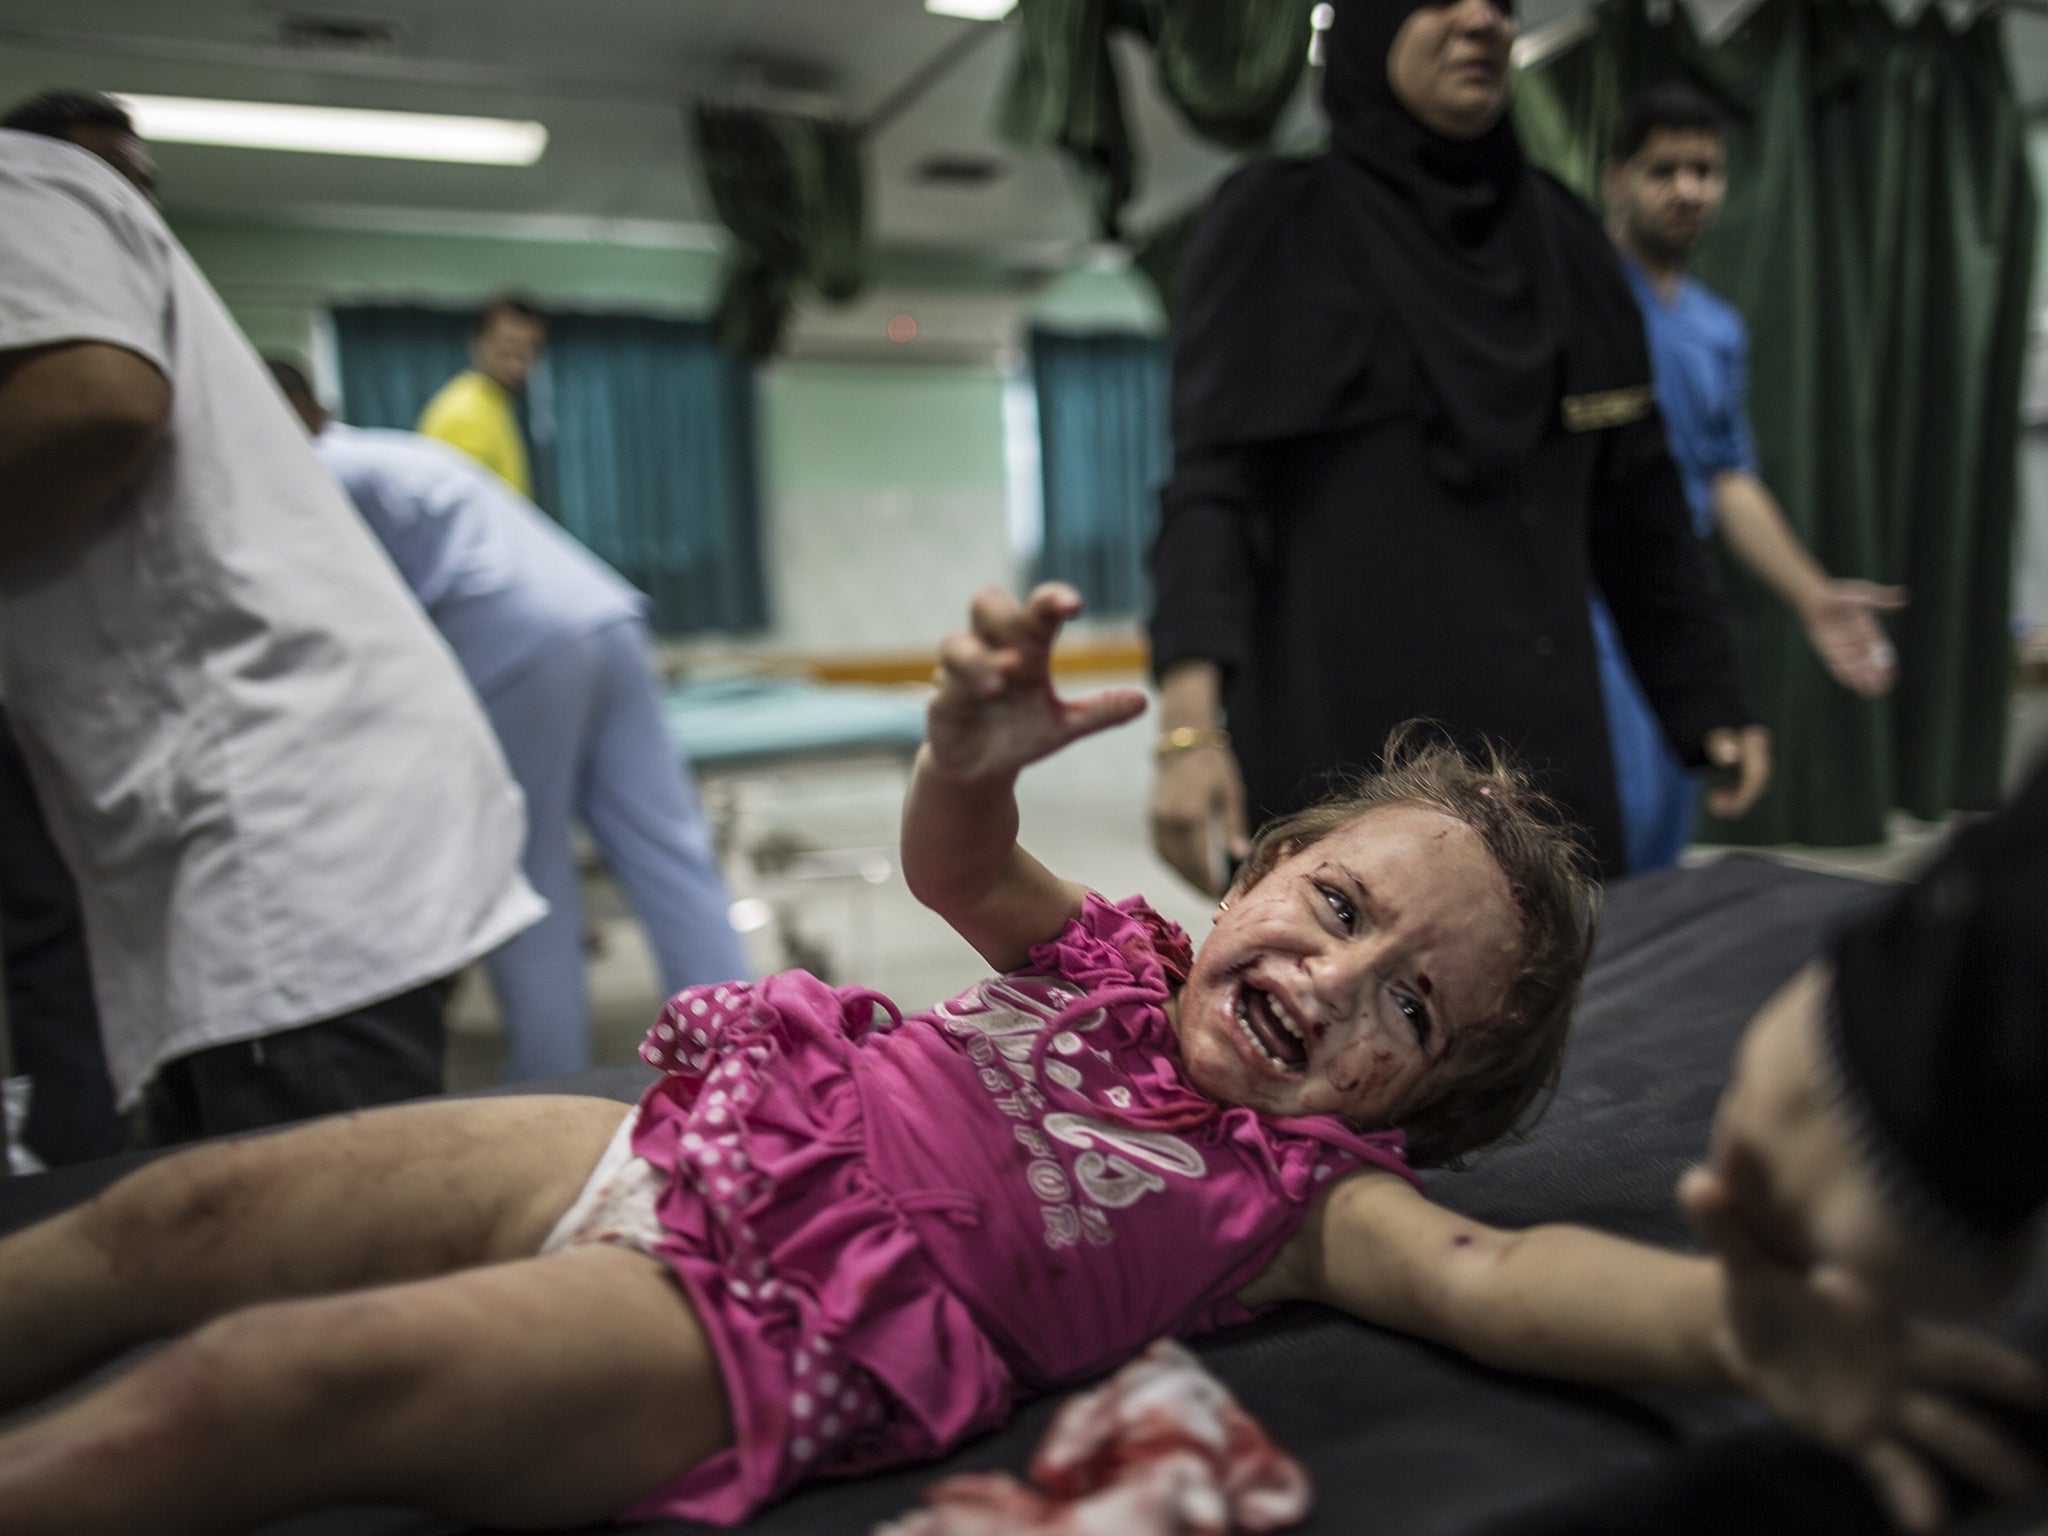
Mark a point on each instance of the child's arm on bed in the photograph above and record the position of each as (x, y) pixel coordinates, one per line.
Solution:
(1553, 1300)
(995, 712)
(1582, 1305)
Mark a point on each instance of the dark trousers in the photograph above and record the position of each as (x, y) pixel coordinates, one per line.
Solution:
(53, 1027)
(377, 1054)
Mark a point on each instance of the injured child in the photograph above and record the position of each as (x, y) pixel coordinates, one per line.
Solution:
(831, 1238)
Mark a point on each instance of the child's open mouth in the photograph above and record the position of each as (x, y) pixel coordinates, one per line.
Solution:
(1267, 1024)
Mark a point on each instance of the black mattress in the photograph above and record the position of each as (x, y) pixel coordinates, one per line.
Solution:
(1402, 1438)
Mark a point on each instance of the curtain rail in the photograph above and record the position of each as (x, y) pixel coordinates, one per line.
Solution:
(481, 77)
(941, 64)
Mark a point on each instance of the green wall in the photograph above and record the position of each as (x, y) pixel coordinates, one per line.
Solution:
(824, 425)
(2037, 152)
(884, 502)
(831, 426)
(276, 279)
(1117, 299)
(884, 485)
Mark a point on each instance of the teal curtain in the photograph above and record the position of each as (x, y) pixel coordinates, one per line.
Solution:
(654, 465)
(394, 357)
(647, 455)
(1229, 67)
(1103, 445)
(1879, 240)
(791, 190)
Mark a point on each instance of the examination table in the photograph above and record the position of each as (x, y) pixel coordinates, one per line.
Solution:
(1404, 1439)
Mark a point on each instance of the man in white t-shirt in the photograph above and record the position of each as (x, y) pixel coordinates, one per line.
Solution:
(286, 814)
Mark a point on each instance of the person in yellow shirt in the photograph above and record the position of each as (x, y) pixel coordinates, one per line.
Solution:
(474, 410)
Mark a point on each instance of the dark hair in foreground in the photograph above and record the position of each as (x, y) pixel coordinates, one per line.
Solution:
(1674, 107)
(507, 304)
(1498, 1074)
(54, 114)
(290, 377)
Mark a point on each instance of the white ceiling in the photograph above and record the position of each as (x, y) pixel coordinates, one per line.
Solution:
(610, 79)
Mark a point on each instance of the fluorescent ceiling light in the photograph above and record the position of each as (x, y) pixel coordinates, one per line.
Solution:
(972, 10)
(337, 130)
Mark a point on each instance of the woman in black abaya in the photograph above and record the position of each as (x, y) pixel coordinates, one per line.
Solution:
(1412, 427)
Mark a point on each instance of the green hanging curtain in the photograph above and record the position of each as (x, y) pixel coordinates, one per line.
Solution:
(791, 191)
(1878, 238)
(1063, 94)
(1229, 66)
(1104, 449)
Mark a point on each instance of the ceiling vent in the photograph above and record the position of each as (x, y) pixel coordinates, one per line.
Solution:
(338, 34)
(964, 171)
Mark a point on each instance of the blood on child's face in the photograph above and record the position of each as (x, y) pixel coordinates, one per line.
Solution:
(1337, 982)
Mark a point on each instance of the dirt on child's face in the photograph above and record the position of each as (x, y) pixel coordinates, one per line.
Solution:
(1337, 983)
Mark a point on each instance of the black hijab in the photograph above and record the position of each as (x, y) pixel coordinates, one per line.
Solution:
(1402, 270)
(1451, 235)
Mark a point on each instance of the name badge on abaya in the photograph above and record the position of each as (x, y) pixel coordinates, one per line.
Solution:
(1609, 408)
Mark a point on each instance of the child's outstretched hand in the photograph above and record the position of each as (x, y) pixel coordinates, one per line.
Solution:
(995, 710)
(1832, 1358)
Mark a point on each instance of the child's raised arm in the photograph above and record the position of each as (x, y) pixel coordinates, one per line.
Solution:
(1582, 1305)
(994, 713)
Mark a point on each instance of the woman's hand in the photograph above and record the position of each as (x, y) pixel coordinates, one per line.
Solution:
(1841, 625)
(1196, 788)
(1834, 1360)
(995, 710)
(1743, 755)
(1193, 793)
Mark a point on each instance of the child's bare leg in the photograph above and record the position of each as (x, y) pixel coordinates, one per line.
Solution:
(386, 1195)
(547, 1392)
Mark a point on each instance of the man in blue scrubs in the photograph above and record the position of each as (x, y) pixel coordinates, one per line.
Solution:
(555, 643)
(1664, 181)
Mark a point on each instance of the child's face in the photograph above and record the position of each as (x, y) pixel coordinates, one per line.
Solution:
(1336, 983)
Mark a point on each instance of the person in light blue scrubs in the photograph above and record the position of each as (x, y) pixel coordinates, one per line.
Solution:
(1665, 179)
(555, 644)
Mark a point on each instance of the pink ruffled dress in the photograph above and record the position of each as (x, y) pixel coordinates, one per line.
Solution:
(894, 1228)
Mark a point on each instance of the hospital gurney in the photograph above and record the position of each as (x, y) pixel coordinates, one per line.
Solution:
(730, 725)
(1401, 1438)
(766, 749)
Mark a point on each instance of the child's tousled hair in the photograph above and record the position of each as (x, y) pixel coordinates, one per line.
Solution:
(1499, 1073)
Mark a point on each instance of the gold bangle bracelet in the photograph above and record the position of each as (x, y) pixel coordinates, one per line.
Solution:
(1185, 738)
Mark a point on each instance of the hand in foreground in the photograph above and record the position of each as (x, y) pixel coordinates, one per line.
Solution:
(995, 710)
(1748, 751)
(1841, 625)
(1193, 792)
(1832, 1359)
(1786, 1155)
